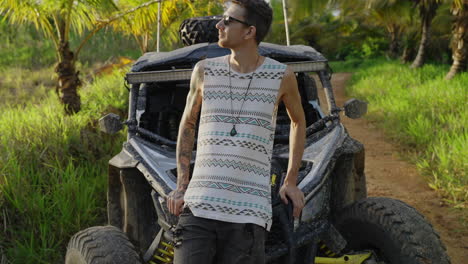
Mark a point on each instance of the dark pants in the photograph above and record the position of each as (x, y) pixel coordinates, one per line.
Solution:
(206, 241)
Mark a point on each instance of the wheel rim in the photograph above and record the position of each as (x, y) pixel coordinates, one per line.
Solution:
(74, 257)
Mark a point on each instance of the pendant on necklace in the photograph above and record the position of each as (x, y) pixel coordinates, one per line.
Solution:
(233, 130)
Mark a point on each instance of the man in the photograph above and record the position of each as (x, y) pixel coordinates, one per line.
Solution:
(225, 208)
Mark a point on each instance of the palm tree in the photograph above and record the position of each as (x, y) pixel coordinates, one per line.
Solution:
(301, 9)
(303, 16)
(410, 40)
(427, 12)
(172, 14)
(56, 18)
(395, 16)
(459, 38)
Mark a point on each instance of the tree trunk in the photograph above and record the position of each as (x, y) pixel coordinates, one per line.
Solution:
(427, 13)
(409, 43)
(394, 48)
(459, 40)
(68, 80)
(407, 55)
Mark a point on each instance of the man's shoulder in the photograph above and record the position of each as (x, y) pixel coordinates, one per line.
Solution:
(209, 63)
(216, 61)
(274, 64)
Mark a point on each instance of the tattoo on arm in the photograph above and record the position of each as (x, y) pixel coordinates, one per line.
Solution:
(178, 194)
(186, 138)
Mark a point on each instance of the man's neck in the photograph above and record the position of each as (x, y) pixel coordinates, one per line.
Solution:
(245, 59)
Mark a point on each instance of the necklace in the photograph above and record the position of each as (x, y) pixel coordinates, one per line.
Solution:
(233, 130)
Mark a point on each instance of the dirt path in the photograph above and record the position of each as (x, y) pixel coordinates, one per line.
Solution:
(388, 175)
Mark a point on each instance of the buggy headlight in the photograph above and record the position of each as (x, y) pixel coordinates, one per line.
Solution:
(185, 74)
(308, 66)
(159, 76)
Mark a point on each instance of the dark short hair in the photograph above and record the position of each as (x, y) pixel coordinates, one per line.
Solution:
(258, 14)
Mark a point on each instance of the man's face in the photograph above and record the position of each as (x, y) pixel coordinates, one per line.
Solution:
(232, 35)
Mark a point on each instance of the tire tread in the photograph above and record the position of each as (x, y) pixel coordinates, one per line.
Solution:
(198, 30)
(102, 245)
(420, 243)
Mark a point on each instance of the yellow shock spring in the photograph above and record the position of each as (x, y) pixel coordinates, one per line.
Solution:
(326, 250)
(273, 179)
(164, 254)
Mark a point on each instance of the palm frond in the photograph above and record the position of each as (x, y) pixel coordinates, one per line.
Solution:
(122, 19)
(142, 24)
(300, 9)
(23, 12)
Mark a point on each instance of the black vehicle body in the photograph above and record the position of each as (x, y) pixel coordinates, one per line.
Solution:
(338, 224)
(332, 159)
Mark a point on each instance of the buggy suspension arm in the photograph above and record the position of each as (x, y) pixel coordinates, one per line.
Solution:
(346, 259)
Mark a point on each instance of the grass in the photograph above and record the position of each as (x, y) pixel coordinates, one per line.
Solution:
(21, 85)
(424, 112)
(53, 170)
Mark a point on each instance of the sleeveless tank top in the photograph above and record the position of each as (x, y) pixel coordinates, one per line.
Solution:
(231, 176)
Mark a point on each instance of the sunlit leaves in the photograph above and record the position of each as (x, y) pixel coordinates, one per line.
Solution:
(57, 17)
(142, 24)
(300, 9)
(45, 14)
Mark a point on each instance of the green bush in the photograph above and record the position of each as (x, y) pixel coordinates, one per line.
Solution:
(370, 47)
(53, 171)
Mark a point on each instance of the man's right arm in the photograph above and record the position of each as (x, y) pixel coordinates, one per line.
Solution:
(186, 139)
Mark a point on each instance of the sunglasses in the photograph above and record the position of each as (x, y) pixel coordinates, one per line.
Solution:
(229, 19)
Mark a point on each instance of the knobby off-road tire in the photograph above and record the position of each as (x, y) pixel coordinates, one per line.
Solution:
(101, 245)
(396, 232)
(199, 30)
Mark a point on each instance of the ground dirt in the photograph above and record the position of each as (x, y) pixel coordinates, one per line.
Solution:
(390, 175)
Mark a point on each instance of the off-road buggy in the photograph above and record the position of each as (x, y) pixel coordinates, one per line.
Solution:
(339, 223)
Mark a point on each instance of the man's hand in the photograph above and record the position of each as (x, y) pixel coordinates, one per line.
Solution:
(175, 201)
(296, 196)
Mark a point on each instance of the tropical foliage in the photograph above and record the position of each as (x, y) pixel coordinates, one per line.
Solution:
(424, 113)
(57, 18)
(459, 38)
(142, 24)
(48, 158)
(355, 27)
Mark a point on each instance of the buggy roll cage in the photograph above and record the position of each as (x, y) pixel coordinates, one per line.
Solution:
(135, 79)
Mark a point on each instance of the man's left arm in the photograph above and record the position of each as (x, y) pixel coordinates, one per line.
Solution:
(292, 101)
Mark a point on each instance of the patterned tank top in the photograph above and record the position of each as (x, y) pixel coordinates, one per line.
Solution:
(231, 176)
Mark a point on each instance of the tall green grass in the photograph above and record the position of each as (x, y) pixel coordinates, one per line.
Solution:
(424, 112)
(53, 170)
(20, 85)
